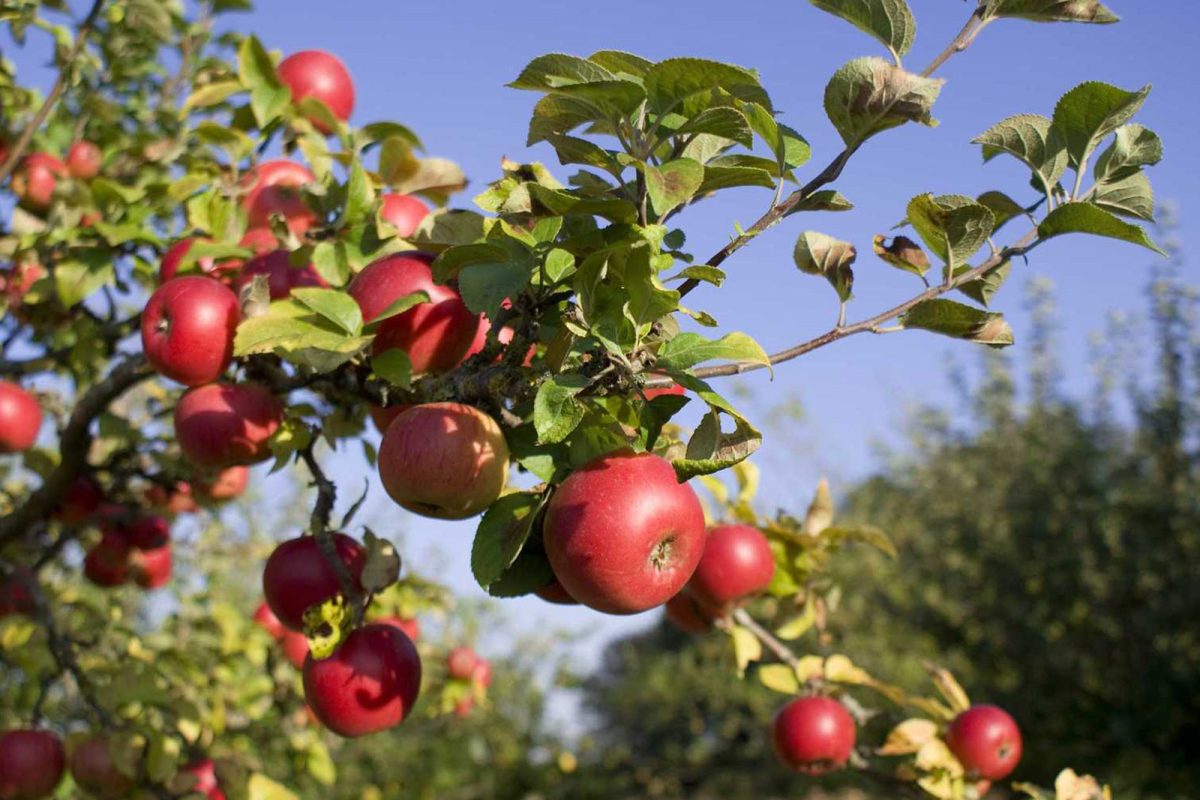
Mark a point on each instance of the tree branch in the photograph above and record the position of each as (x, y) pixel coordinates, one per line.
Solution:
(781, 650)
(326, 497)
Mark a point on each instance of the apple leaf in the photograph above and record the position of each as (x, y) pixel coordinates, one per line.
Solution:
(335, 306)
(1089, 218)
(530, 572)
(400, 305)
(889, 21)
(746, 647)
(687, 85)
(556, 412)
(1090, 112)
(689, 349)
(501, 534)
(1053, 10)
(779, 678)
(870, 95)
(268, 96)
(1031, 138)
(960, 321)
(953, 226)
(394, 366)
(818, 254)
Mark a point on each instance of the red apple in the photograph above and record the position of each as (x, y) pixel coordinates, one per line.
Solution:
(553, 592)
(622, 534)
(93, 769)
(15, 597)
(463, 706)
(267, 620)
(35, 180)
(151, 568)
(295, 648)
(83, 160)
(178, 499)
(222, 270)
(368, 685)
(410, 625)
(737, 563)
(320, 75)
(259, 241)
(297, 576)
(813, 735)
(31, 764)
(188, 328)
(107, 563)
(204, 773)
(435, 335)
(20, 418)
(444, 460)
(282, 277)
(19, 279)
(481, 675)
(689, 614)
(404, 212)
(146, 532)
(273, 188)
(82, 499)
(460, 663)
(986, 740)
(226, 424)
(382, 416)
(674, 388)
(222, 486)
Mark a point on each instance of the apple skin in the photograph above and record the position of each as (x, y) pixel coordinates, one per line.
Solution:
(179, 499)
(622, 534)
(435, 335)
(93, 769)
(266, 619)
(83, 160)
(297, 576)
(226, 424)
(482, 674)
(674, 388)
(35, 180)
(444, 460)
(148, 532)
(222, 486)
(82, 499)
(295, 648)
(188, 328)
(553, 592)
(107, 564)
(31, 764)
(404, 212)
(986, 740)
(689, 614)
(151, 568)
(813, 735)
(410, 625)
(461, 662)
(20, 418)
(370, 684)
(15, 597)
(272, 188)
(222, 271)
(205, 773)
(382, 416)
(320, 75)
(737, 563)
(282, 277)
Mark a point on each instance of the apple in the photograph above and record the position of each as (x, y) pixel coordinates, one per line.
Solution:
(146, 532)
(221, 486)
(20, 418)
(986, 740)
(273, 188)
(461, 662)
(19, 279)
(674, 388)
(282, 277)
(481, 675)
(222, 270)
(404, 212)
(297, 576)
(435, 335)
(258, 241)
(35, 180)
(82, 499)
(83, 160)
(226, 424)
(813, 735)
(553, 592)
(689, 614)
(151, 568)
(178, 499)
(320, 75)
(93, 769)
(444, 460)
(622, 534)
(266, 619)
(31, 764)
(204, 773)
(463, 706)
(369, 684)
(15, 597)
(295, 648)
(188, 328)
(107, 563)
(382, 416)
(737, 563)
(410, 625)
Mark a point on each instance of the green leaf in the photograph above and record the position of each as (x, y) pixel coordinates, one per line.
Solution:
(649, 299)
(1032, 139)
(382, 131)
(80, 274)
(953, 226)
(211, 94)
(689, 349)
(556, 412)
(1128, 197)
(400, 305)
(889, 21)
(559, 264)
(1133, 147)
(983, 288)
(1052, 10)
(501, 535)
(485, 287)
(825, 200)
(573, 150)
(334, 305)
(727, 177)
(1003, 207)
(701, 272)
(673, 184)
(687, 85)
(260, 787)
(394, 366)
(959, 321)
(724, 121)
(1091, 111)
(1089, 218)
(779, 678)
(556, 70)
(530, 572)
(360, 196)
(451, 227)
(870, 95)
(618, 63)
(561, 203)
(268, 96)
(746, 647)
(818, 254)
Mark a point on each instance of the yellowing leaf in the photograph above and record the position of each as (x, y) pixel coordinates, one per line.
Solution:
(909, 737)
(746, 648)
(948, 687)
(779, 677)
(840, 669)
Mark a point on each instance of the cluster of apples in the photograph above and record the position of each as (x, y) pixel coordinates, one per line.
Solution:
(33, 762)
(36, 178)
(467, 667)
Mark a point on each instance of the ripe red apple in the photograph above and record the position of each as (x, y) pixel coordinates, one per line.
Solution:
(297, 576)
(689, 614)
(151, 568)
(107, 563)
(93, 769)
(83, 160)
(295, 648)
(222, 270)
(259, 241)
(482, 674)
(19, 279)
(410, 625)
(82, 499)
(986, 740)
(15, 597)
(320, 75)
(146, 532)
(222, 486)
(272, 188)
(35, 180)
(267, 620)
(226, 424)
(674, 388)
(622, 534)
(435, 335)
(444, 460)
(368, 685)
(553, 592)
(737, 563)
(20, 418)
(178, 499)
(813, 735)
(404, 212)
(188, 328)
(460, 663)
(382, 416)
(31, 764)
(205, 774)
(463, 706)
(282, 277)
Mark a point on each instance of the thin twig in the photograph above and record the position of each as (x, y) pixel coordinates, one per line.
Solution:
(322, 510)
(781, 650)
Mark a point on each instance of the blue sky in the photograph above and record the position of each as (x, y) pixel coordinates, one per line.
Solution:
(441, 68)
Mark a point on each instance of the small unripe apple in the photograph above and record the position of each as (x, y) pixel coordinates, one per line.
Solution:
(622, 534)
(297, 576)
(369, 684)
(93, 769)
(267, 620)
(107, 563)
(404, 212)
(986, 740)
(35, 180)
(813, 735)
(322, 76)
(221, 486)
(226, 424)
(82, 499)
(188, 328)
(281, 276)
(410, 625)
(31, 764)
(553, 592)
(273, 188)
(688, 614)
(737, 563)
(460, 663)
(295, 648)
(204, 775)
(151, 568)
(444, 460)
(83, 160)
(20, 418)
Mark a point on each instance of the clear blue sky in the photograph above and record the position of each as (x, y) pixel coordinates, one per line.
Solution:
(441, 66)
